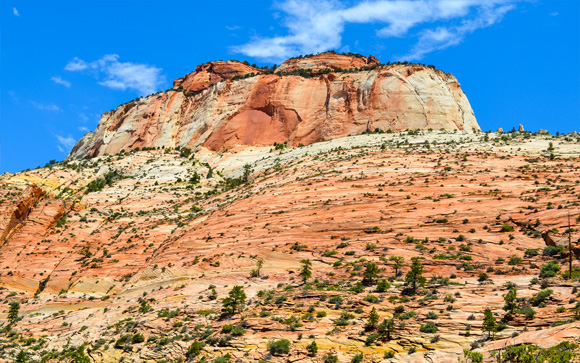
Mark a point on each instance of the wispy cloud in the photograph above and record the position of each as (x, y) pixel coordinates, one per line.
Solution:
(111, 73)
(45, 106)
(317, 25)
(232, 28)
(555, 13)
(65, 143)
(15, 12)
(83, 129)
(59, 80)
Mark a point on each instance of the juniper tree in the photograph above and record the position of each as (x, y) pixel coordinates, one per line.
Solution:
(386, 328)
(488, 322)
(373, 319)
(511, 300)
(371, 273)
(13, 312)
(397, 263)
(235, 300)
(306, 271)
(414, 277)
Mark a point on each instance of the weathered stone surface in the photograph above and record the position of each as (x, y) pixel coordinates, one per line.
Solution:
(153, 235)
(268, 108)
(327, 60)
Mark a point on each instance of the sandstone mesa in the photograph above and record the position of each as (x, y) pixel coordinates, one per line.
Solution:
(214, 111)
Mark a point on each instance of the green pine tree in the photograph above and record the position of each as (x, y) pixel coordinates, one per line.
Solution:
(306, 271)
(235, 300)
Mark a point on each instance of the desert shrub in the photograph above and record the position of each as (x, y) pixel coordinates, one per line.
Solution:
(279, 347)
(550, 269)
(507, 228)
(194, 349)
(431, 315)
(540, 297)
(552, 250)
(428, 328)
(330, 358)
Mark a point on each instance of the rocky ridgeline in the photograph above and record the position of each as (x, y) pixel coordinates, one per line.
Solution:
(227, 103)
(131, 257)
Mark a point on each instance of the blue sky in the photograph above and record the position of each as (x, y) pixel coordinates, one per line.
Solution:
(63, 63)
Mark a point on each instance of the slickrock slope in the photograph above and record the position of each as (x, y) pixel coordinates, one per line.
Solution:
(136, 267)
(216, 112)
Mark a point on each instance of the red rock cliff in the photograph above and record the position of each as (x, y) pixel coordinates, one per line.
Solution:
(219, 112)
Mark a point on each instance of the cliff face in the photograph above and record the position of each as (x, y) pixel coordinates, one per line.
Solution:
(219, 112)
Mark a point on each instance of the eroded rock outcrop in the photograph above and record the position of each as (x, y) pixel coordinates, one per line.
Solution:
(217, 112)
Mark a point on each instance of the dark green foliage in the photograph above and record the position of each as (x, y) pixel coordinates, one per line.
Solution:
(385, 328)
(431, 315)
(13, 312)
(561, 353)
(312, 349)
(507, 228)
(77, 355)
(527, 311)
(531, 252)
(428, 328)
(21, 357)
(511, 300)
(137, 338)
(540, 297)
(194, 349)
(279, 347)
(414, 277)
(306, 271)
(489, 324)
(357, 358)
(373, 319)
(550, 269)
(184, 152)
(382, 285)
(552, 250)
(330, 358)
(370, 274)
(235, 300)
(108, 179)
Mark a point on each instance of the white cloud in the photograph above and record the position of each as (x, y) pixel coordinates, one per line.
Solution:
(15, 12)
(142, 78)
(65, 143)
(45, 106)
(443, 37)
(317, 25)
(555, 13)
(232, 28)
(83, 129)
(59, 80)
(76, 65)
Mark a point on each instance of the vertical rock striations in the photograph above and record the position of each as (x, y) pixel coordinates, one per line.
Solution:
(333, 96)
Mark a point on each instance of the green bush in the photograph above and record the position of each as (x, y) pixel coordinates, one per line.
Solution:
(531, 252)
(330, 358)
(552, 250)
(507, 228)
(550, 269)
(431, 315)
(194, 349)
(540, 297)
(137, 338)
(371, 298)
(279, 347)
(428, 328)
